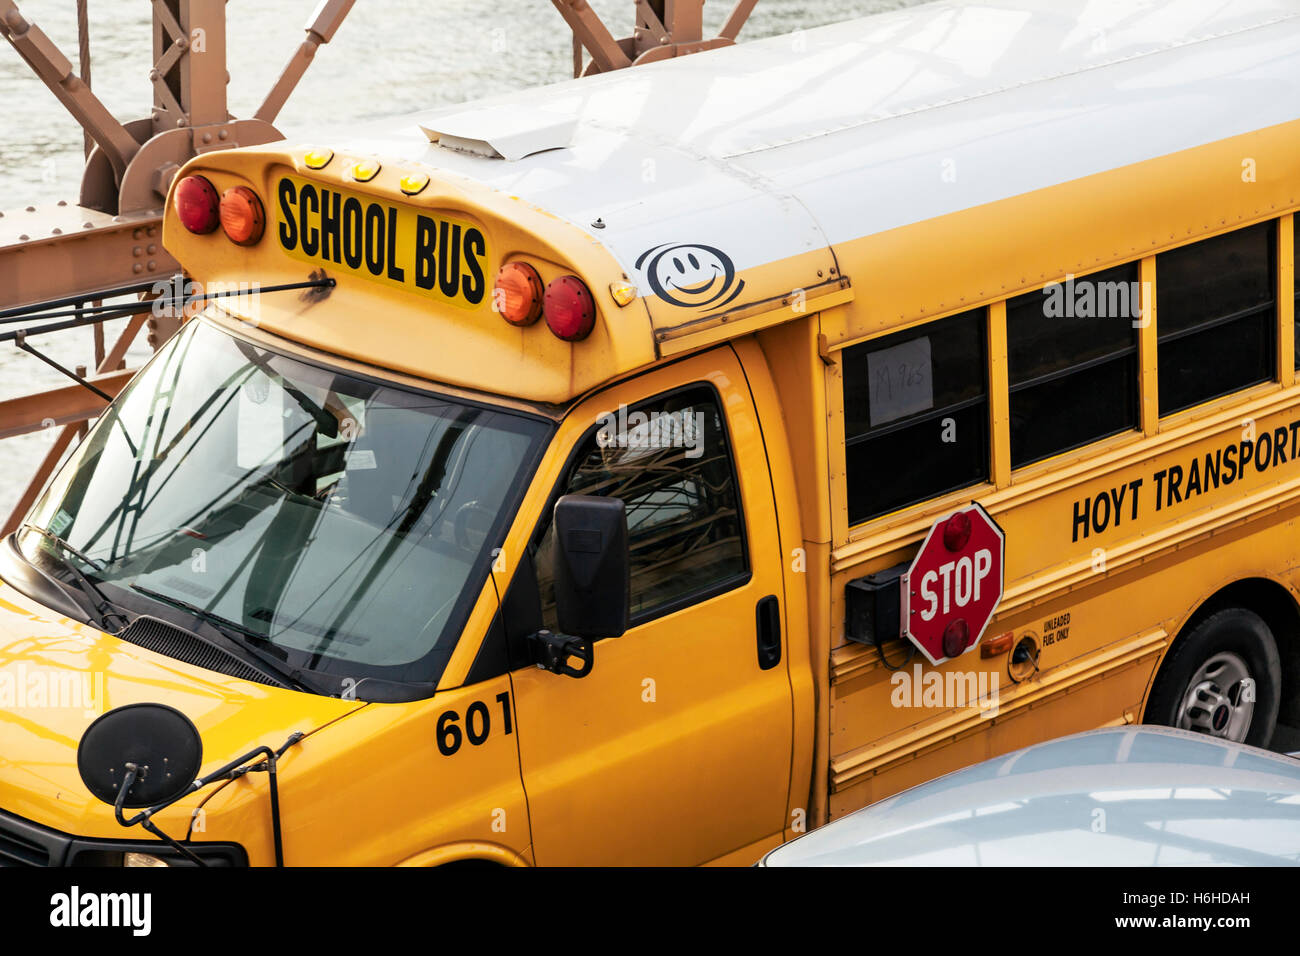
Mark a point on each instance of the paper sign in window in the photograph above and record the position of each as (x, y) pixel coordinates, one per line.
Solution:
(901, 381)
(361, 459)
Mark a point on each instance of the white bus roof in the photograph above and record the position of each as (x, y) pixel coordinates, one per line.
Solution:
(775, 147)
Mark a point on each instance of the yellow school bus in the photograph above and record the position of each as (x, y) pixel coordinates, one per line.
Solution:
(537, 477)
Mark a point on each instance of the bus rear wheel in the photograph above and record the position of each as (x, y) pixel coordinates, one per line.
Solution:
(1223, 679)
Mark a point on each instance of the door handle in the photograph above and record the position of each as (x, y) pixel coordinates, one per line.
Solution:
(768, 615)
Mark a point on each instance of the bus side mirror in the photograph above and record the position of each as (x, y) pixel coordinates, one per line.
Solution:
(592, 576)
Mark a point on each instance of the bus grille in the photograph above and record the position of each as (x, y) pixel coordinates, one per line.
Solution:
(176, 642)
(23, 843)
(15, 851)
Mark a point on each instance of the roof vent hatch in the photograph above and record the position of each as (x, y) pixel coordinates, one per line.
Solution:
(502, 132)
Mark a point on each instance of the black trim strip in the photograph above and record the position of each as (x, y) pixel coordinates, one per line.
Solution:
(1069, 370)
(1208, 324)
(921, 419)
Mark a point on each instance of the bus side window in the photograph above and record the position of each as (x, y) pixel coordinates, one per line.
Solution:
(1072, 362)
(669, 460)
(916, 414)
(1216, 315)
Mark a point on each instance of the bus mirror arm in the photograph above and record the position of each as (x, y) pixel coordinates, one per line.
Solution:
(554, 651)
(134, 738)
(231, 771)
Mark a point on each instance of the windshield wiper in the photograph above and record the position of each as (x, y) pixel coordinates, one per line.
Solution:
(102, 608)
(235, 633)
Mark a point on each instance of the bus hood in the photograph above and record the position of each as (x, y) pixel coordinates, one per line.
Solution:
(58, 675)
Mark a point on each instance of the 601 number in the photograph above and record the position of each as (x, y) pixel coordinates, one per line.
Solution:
(478, 725)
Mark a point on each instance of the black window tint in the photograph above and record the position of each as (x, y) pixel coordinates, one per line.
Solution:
(916, 414)
(669, 460)
(1072, 362)
(1215, 310)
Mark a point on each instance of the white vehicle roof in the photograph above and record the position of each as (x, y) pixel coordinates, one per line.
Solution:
(772, 148)
(1133, 796)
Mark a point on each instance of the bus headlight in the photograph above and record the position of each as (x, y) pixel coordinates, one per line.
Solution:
(111, 853)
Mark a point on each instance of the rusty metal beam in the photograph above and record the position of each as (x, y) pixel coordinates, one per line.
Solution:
(663, 29)
(72, 407)
(71, 403)
(593, 34)
(52, 252)
(54, 70)
(46, 468)
(116, 357)
(189, 71)
(650, 30)
(68, 404)
(736, 19)
(684, 20)
(320, 29)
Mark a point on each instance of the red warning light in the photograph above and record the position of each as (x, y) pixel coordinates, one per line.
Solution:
(569, 308)
(197, 205)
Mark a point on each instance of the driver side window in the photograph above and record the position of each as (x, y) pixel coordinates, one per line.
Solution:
(669, 460)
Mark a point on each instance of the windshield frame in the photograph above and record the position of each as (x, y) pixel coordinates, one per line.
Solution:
(413, 680)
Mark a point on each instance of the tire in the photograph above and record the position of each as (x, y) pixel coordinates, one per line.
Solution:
(1203, 685)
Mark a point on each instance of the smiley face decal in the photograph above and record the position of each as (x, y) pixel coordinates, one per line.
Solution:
(690, 274)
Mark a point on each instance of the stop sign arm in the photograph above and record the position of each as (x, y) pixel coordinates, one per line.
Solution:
(954, 585)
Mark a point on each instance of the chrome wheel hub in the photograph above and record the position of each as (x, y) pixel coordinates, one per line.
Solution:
(1220, 699)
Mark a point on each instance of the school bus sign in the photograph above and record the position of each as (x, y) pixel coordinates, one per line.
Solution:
(954, 585)
(415, 250)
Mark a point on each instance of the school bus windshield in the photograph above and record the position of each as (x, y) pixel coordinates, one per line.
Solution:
(343, 525)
